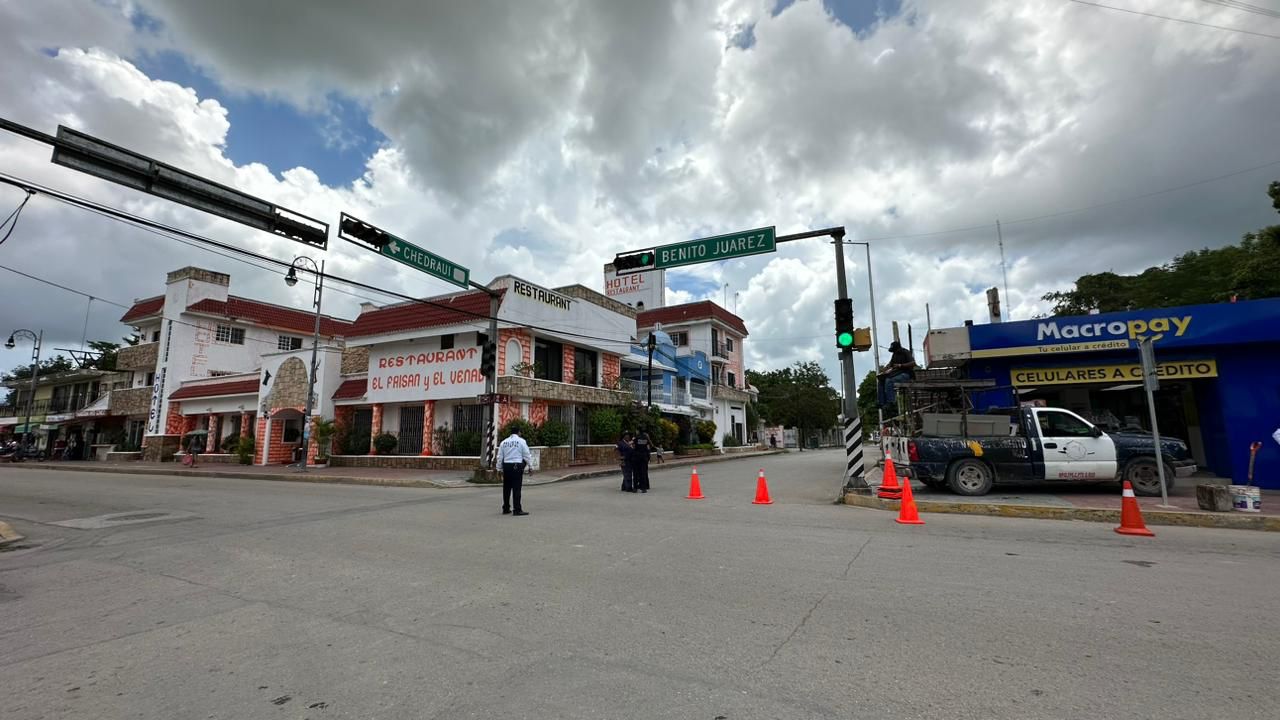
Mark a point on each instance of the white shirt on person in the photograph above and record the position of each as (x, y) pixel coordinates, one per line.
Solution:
(514, 450)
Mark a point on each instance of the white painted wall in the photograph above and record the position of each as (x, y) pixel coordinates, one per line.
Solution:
(580, 317)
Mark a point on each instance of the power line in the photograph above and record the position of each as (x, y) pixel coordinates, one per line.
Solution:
(1246, 7)
(13, 217)
(1174, 19)
(170, 232)
(1086, 208)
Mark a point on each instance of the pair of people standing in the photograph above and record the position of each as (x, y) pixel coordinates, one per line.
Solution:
(633, 456)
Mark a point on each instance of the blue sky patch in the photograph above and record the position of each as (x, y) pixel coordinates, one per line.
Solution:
(335, 143)
(857, 14)
(692, 284)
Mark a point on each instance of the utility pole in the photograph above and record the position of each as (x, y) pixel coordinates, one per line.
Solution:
(1004, 273)
(854, 477)
(648, 376)
(290, 280)
(491, 386)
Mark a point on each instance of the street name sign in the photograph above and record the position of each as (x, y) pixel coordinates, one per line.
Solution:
(720, 247)
(387, 245)
(703, 250)
(491, 398)
(426, 261)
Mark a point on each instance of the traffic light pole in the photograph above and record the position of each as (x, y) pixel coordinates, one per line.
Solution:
(854, 477)
(491, 387)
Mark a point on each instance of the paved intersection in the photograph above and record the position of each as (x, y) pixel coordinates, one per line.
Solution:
(324, 601)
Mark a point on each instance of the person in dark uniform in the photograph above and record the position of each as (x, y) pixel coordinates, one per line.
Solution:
(640, 461)
(624, 460)
(513, 458)
(901, 368)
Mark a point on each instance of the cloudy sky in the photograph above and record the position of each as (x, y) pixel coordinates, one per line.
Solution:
(539, 137)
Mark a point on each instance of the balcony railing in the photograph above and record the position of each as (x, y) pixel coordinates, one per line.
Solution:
(678, 396)
(720, 350)
(48, 406)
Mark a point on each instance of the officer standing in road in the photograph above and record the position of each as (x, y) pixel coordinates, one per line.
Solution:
(640, 461)
(513, 458)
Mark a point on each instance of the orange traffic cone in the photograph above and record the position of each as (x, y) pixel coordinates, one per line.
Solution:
(1131, 515)
(695, 487)
(889, 488)
(762, 491)
(908, 515)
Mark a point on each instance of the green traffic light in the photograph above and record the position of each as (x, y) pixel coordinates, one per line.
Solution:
(646, 259)
(844, 339)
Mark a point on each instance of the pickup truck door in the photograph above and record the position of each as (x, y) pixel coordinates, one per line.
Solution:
(1073, 449)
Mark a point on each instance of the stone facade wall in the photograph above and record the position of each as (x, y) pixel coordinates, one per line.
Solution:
(552, 458)
(585, 293)
(561, 392)
(411, 462)
(133, 401)
(160, 448)
(289, 386)
(355, 360)
(731, 394)
(198, 274)
(138, 357)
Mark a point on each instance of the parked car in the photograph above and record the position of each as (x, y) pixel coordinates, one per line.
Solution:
(1037, 445)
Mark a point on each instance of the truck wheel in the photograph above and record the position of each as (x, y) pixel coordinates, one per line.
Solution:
(1143, 474)
(970, 477)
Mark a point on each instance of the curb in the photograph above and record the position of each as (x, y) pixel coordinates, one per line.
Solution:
(704, 460)
(1234, 521)
(8, 534)
(298, 477)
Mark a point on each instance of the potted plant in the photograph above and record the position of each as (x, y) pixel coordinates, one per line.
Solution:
(244, 449)
(386, 443)
(322, 430)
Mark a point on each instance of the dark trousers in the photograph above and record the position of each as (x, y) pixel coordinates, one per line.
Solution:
(512, 477)
(627, 482)
(640, 474)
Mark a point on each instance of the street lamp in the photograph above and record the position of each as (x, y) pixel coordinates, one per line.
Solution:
(875, 335)
(36, 339)
(291, 279)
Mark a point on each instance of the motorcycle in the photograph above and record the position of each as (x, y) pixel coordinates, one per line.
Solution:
(15, 452)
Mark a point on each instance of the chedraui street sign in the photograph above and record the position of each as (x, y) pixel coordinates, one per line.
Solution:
(720, 247)
(426, 261)
(387, 245)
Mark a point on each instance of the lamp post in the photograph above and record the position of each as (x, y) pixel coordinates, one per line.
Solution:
(36, 339)
(875, 335)
(291, 279)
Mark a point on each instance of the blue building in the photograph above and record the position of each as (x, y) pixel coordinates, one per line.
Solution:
(1219, 367)
(680, 381)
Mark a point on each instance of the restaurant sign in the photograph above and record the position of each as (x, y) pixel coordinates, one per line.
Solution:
(404, 372)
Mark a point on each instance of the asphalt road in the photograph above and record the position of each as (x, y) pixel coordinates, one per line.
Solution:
(291, 600)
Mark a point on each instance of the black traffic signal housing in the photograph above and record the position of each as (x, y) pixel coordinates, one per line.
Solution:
(488, 358)
(844, 324)
(634, 262)
(355, 230)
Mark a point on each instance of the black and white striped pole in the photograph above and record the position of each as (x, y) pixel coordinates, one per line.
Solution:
(854, 475)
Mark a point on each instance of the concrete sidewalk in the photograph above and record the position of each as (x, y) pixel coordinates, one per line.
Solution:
(390, 477)
(1095, 502)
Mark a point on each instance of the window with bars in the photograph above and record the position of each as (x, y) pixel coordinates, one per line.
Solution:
(229, 335)
(288, 342)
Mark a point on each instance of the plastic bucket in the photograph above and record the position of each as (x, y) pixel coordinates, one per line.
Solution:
(1245, 498)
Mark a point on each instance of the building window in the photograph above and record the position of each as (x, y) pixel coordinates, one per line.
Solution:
(548, 360)
(151, 379)
(287, 342)
(446, 342)
(292, 431)
(155, 336)
(481, 339)
(220, 373)
(732, 382)
(230, 335)
(585, 367)
(728, 344)
(680, 339)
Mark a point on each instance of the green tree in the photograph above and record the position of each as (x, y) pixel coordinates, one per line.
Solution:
(799, 396)
(867, 397)
(109, 351)
(50, 366)
(1247, 270)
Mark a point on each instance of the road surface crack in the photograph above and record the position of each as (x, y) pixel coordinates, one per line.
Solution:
(804, 620)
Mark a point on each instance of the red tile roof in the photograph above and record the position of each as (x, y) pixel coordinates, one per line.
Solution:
(460, 308)
(234, 387)
(144, 308)
(703, 310)
(350, 389)
(276, 316)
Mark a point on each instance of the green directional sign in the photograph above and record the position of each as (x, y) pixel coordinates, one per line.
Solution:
(720, 247)
(428, 262)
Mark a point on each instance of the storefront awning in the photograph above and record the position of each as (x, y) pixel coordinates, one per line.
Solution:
(97, 408)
